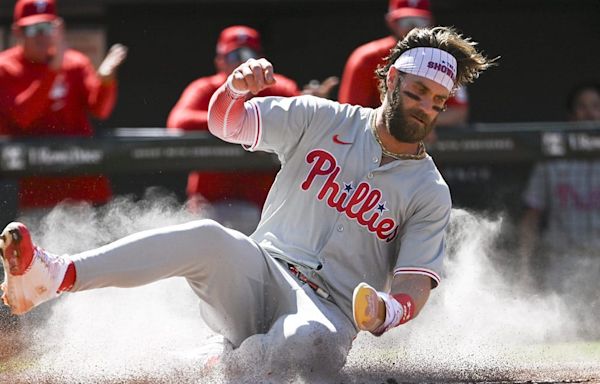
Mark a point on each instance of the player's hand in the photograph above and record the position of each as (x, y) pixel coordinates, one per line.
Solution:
(114, 58)
(253, 75)
(58, 46)
(316, 88)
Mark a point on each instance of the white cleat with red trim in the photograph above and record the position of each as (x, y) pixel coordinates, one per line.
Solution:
(31, 275)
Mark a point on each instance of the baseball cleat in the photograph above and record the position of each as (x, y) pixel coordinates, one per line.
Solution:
(31, 275)
(366, 308)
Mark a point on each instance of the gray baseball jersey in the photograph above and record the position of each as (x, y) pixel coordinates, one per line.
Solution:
(568, 191)
(334, 210)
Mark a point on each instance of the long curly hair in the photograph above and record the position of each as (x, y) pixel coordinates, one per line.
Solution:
(470, 62)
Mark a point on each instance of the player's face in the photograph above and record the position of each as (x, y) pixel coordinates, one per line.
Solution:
(38, 40)
(400, 27)
(413, 106)
(230, 61)
(587, 106)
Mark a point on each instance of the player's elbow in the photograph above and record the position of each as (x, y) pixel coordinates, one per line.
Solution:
(215, 125)
(218, 123)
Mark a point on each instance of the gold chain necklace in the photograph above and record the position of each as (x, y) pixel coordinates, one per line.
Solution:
(421, 153)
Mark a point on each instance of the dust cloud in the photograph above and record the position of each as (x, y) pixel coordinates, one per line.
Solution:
(480, 324)
(486, 322)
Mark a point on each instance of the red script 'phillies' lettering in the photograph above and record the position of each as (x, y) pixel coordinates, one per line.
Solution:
(357, 206)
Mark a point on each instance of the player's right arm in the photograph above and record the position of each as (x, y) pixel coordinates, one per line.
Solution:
(229, 117)
(253, 76)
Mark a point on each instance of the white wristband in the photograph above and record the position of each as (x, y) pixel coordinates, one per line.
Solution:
(393, 313)
(234, 91)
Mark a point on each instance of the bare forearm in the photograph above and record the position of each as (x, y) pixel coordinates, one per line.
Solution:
(418, 287)
(378, 312)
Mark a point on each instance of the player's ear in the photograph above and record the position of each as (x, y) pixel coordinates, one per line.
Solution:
(391, 78)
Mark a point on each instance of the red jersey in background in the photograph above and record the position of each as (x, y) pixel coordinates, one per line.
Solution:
(36, 101)
(191, 113)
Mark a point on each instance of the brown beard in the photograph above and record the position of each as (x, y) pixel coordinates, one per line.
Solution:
(398, 122)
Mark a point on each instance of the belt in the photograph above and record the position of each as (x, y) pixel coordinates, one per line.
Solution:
(300, 276)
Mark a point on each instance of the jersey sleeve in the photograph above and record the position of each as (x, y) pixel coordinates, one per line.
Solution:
(284, 121)
(422, 240)
(535, 193)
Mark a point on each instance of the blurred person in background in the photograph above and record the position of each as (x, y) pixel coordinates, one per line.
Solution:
(235, 197)
(583, 102)
(560, 229)
(47, 89)
(359, 83)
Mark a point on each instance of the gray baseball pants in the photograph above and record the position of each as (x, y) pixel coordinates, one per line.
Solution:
(272, 319)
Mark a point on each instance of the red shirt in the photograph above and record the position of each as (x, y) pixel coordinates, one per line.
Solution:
(37, 101)
(191, 113)
(359, 84)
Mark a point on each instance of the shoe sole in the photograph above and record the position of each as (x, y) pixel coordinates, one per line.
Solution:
(364, 306)
(13, 282)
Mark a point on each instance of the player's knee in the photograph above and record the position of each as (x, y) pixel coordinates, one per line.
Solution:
(207, 224)
(210, 233)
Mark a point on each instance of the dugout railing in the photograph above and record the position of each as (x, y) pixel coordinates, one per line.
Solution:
(486, 165)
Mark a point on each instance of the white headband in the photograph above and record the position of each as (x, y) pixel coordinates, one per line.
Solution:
(432, 63)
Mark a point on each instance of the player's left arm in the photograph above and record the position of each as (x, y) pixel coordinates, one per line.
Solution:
(417, 287)
(422, 249)
(378, 312)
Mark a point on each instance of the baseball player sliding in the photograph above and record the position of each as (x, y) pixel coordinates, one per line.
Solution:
(351, 236)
